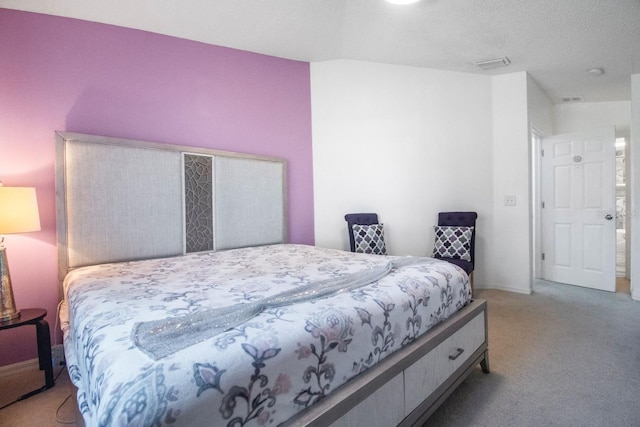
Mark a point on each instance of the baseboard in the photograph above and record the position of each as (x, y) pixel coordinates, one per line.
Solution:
(507, 289)
(20, 367)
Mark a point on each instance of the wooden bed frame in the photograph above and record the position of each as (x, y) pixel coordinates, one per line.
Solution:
(409, 384)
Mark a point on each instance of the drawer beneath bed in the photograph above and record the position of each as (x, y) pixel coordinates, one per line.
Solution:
(405, 388)
(383, 408)
(424, 376)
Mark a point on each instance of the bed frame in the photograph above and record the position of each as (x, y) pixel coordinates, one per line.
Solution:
(411, 383)
(121, 200)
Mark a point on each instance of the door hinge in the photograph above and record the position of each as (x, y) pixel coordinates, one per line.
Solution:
(542, 205)
(543, 256)
(542, 153)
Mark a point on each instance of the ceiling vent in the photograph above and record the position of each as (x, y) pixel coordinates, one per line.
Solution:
(579, 98)
(487, 64)
(402, 2)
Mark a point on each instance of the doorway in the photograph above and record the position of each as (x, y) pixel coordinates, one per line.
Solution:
(622, 218)
(578, 209)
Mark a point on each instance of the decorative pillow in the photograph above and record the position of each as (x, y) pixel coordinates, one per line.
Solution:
(369, 239)
(452, 242)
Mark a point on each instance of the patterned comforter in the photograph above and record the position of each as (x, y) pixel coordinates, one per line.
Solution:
(260, 372)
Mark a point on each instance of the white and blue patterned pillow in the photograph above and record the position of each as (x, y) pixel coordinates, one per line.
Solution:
(369, 239)
(452, 242)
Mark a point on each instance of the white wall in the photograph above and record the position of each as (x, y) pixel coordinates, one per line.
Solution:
(539, 108)
(510, 245)
(540, 112)
(576, 117)
(409, 142)
(406, 143)
(635, 186)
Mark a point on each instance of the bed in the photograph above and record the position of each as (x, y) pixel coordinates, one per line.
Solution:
(241, 328)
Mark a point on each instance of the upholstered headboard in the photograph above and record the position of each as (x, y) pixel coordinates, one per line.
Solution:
(120, 200)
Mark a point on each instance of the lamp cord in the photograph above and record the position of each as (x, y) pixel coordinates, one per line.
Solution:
(55, 336)
(58, 412)
(55, 327)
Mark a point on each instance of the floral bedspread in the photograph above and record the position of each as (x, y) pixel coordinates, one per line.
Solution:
(262, 371)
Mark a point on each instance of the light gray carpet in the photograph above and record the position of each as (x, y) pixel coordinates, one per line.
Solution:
(564, 356)
(46, 409)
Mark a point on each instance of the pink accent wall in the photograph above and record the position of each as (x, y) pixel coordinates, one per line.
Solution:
(77, 76)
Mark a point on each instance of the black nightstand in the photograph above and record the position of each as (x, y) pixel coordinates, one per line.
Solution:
(35, 316)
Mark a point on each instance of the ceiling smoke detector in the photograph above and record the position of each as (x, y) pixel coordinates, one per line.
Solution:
(487, 64)
(596, 71)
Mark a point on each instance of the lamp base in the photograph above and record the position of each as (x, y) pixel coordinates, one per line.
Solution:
(9, 316)
(8, 309)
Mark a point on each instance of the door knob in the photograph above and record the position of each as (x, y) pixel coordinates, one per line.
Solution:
(608, 217)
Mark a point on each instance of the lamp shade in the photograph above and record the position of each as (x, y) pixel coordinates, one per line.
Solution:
(18, 210)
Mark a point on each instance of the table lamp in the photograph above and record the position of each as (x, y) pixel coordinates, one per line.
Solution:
(18, 214)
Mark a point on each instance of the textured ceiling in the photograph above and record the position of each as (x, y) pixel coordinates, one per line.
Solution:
(556, 41)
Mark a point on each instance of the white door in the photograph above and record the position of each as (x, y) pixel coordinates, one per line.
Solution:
(578, 214)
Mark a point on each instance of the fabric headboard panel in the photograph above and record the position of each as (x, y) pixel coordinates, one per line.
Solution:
(120, 200)
(243, 188)
(118, 197)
